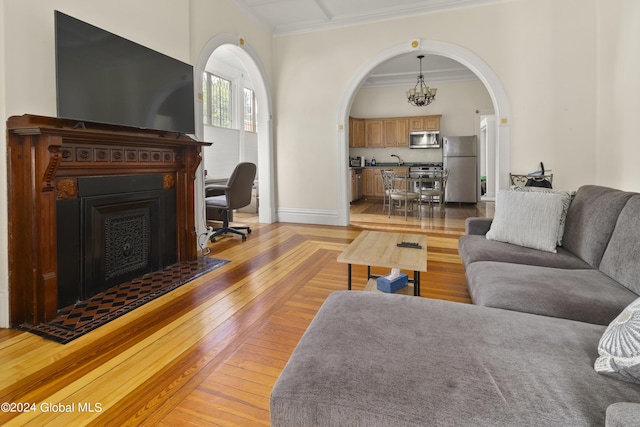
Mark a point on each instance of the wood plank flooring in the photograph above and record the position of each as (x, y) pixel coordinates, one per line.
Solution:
(208, 353)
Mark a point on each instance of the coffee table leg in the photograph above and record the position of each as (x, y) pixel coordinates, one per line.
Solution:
(416, 283)
(349, 277)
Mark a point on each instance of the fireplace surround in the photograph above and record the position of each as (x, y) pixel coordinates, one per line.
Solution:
(91, 206)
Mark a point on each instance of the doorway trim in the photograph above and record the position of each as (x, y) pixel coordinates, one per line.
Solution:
(251, 61)
(470, 60)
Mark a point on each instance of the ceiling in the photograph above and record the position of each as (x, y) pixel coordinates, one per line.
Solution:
(293, 16)
(403, 70)
(283, 17)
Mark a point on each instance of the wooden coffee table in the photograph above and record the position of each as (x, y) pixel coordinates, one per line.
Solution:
(379, 249)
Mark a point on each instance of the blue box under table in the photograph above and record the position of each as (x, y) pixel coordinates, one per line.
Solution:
(392, 285)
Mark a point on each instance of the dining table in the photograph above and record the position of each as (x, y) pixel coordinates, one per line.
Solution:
(427, 184)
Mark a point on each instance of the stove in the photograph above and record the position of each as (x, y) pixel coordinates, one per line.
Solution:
(424, 169)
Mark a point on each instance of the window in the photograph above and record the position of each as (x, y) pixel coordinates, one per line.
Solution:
(217, 96)
(250, 110)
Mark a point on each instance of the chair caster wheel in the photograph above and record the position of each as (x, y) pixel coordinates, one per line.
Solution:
(248, 230)
(244, 238)
(212, 239)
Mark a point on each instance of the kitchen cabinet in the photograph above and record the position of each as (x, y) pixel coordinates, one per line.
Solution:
(424, 123)
(396, 132)
(354, 190)
(373, 133)
(388, 131)
(402, 129)
(389, 127)
(356, 133)
(369, 177)
(432, 123)
(378, 187)
(416, 124)
(372, 185)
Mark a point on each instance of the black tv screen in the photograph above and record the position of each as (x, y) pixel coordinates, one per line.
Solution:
(105, 78)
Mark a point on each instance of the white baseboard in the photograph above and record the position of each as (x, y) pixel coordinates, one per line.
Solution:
(308, 216)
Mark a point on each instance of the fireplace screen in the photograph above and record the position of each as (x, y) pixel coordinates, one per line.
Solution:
(126, 242)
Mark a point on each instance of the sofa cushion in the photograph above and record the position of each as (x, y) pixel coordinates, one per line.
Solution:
(473, 248)
(591, 218)
(619, 346)
(566, 201)
(622, 414)
(621, 259)
(529, 219)
(374, 359)
(584, 295)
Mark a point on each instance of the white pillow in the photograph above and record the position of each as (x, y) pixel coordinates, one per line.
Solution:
(619, 346)
(529, 219)
(567, 197)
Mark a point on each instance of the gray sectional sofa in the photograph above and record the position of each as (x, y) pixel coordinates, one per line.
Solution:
(593, 276)
(523, 355)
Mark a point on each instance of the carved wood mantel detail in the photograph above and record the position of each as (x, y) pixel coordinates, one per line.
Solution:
(66, 188)
(54, 154)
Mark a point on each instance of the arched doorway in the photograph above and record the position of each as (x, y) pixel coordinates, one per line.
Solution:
(463, 56)
(256, 71)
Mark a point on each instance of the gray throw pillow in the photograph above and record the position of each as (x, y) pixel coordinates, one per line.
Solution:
(567, 197)
(529, 219)
(619, 346)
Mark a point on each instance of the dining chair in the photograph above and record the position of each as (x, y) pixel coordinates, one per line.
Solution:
(436, 192)
(386, 174)
(399, 195)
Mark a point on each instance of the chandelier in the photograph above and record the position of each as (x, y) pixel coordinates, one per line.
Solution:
(421, 95)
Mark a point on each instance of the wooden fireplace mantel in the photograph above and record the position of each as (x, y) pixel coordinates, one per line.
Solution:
(45, 156)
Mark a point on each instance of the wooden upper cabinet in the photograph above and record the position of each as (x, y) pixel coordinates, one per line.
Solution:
(396, 132)
(402, 132)
(356, 132)
(388, 132)
(373, 133)
(432, 123)
(416, 124)
(424, 123)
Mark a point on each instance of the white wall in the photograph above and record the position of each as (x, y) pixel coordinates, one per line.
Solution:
(543, 51)
(618, 96)
(4, 252)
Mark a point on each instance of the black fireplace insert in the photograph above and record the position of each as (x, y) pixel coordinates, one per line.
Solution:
(118, 228)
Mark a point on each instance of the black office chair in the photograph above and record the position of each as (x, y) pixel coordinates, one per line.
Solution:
(237, 194)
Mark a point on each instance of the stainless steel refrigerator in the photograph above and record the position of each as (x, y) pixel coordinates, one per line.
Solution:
(460, 157)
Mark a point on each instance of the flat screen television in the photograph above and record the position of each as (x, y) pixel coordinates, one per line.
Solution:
(105, 78)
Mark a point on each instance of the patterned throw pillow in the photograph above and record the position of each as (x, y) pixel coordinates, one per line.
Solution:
(619, 346)
(529, 219)
(567, 197)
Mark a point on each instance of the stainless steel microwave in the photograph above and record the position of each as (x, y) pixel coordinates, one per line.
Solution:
(424, 139)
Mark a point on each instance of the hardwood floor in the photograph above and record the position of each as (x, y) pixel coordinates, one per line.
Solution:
(209, 352)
